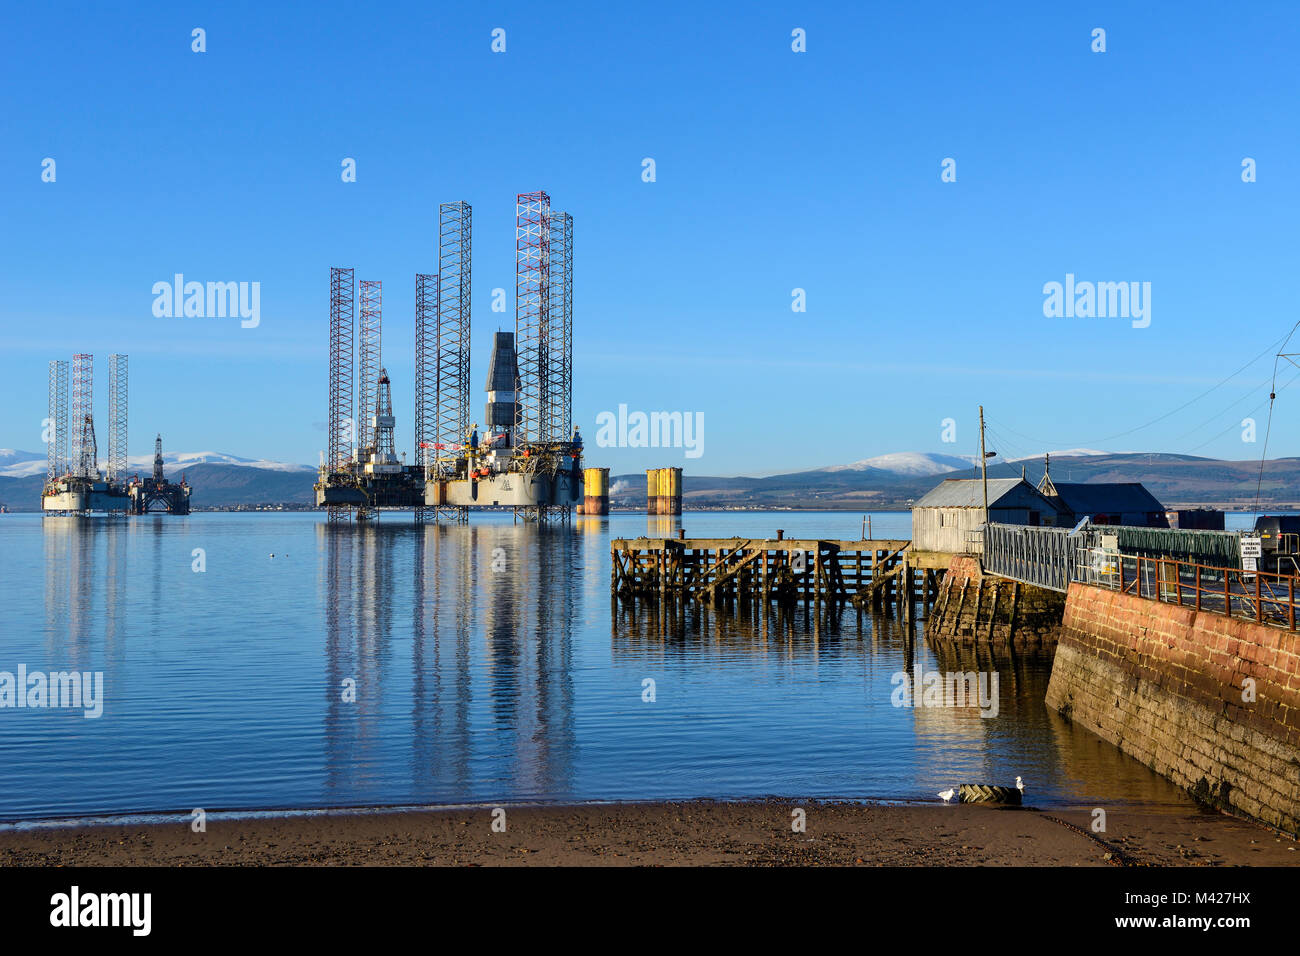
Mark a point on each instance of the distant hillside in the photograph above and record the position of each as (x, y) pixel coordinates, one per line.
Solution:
(215, 486)
(220, 486)
(1177, 480)
(21, 494)
(1181, 480)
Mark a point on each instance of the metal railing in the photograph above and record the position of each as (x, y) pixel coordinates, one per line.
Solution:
(1053, 558)
(1046, 557)
(1259, 596)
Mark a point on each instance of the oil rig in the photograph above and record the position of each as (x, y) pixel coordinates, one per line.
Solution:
(156, 491)
(73, 482)
(528, 458)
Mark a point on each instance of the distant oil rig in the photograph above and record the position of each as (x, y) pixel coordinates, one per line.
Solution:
(73, 482)
(529, 456)
(156, 491)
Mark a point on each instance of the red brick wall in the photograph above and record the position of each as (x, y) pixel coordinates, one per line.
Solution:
(1164, 683)
(1204, 657)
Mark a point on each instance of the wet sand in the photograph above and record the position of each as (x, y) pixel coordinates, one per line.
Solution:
(695, 833)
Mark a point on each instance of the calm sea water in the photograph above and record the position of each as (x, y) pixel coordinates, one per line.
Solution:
(489, 665)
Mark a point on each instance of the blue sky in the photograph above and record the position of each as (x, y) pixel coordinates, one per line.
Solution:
(775, 170)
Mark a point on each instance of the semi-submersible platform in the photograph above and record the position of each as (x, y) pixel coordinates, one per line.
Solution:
(524, 455)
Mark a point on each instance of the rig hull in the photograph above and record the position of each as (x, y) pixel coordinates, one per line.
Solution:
(78, 496)
(359, 488)
(507, 490)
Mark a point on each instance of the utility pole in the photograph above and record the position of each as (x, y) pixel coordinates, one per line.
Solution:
(984, 469)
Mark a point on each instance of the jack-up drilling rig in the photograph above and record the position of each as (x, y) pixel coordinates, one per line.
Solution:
(529, 457)
(73, 482)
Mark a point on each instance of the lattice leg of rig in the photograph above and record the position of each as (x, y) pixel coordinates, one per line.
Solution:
(558, 411)
(532, 313)
(338, 514)
(562, 514)
(455, 514)
(371, 356)
(544, 514)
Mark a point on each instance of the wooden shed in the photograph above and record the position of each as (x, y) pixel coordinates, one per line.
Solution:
(945, 519)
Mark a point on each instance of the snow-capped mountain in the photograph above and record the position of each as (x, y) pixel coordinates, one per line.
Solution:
(10, 456)
(1068, 453)
(183, 459)
(920, 464)
(910, 463)
(25, 464)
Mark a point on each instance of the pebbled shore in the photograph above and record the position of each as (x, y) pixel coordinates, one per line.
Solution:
(693, 833)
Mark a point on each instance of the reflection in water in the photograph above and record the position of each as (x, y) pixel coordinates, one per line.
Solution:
(949, 744)
(529, 633)
(339, 600)
(486, 669)
(662, 526)
(1075, 761)
(58, 580)
(441, 661)
(1092, 769)
(805, 630)
(117, 573)
(87, 570)
(492, 613)
(359, 610)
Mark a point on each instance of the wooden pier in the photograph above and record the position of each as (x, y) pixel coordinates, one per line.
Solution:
(757, 571)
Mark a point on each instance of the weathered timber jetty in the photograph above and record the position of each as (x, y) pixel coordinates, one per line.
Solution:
(727, 571)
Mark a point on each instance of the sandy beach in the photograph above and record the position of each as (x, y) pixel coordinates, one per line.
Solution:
(695, 833)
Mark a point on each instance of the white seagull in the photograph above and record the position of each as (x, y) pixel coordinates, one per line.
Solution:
(1020, 785)
(948, 794)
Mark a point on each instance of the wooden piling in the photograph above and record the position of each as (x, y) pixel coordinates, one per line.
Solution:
(756, 572)
(1015, 602)
(993, 613)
